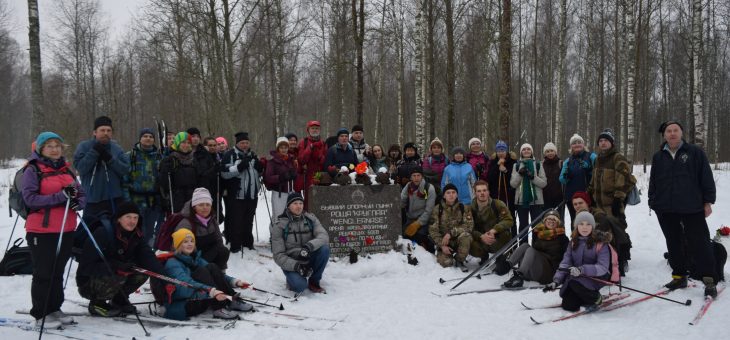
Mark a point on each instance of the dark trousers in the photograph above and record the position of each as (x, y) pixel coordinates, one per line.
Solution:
(524, 215)
(43, 254)
(576, 295)
(318, 260)
(571, 211)
(116, 288)
(218, 254)
(693, 229)
(210, 275)
(239, 223)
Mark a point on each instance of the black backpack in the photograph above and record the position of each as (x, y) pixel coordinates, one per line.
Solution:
(17, 260)
(161, 289)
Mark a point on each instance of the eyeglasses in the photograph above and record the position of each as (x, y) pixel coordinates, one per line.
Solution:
(53, 146)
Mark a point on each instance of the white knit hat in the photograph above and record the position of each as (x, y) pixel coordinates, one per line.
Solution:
(549, 146)
(201, 195)
(282, 140)
(577, 139)
(527, 145)
(475, 140)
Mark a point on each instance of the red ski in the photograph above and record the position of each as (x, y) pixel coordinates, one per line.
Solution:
(705, 306)
(603, 305)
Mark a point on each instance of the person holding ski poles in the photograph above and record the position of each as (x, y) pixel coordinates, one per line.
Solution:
(500, 176)
(53, 196)
(101, 164)
(214, 289)
(105, 275)
(280, 176)
(178, 173)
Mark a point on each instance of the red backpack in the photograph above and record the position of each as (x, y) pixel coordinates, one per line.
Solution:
(613, 262)
(164, 238)
(162, 290)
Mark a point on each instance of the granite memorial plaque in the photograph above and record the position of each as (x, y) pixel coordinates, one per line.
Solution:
(364, 218)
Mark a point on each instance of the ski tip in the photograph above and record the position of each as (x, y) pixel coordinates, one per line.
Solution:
(524, 305)
(535, 321)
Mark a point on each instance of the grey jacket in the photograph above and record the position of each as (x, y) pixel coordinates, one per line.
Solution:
(539, 182)
(299, 231)
(419, 208)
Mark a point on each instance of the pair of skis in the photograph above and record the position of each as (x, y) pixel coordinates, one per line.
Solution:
(162, 135)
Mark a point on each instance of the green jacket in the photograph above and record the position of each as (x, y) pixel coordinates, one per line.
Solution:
(455, 220)
(611, 178)
(485, 219)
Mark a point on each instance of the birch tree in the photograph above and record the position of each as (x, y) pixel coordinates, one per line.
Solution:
(699, 118)
(36, 74)
(505, 57)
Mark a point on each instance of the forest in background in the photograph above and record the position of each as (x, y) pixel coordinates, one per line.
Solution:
(409, 70)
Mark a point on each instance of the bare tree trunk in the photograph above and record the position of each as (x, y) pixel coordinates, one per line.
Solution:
(699, 119)
(358, 32)
(430, 71)
(398, 19)
(450, 72)
(562, 52)
(420, 70)
(381, 76)
(505, 56)
(630, 79)
(36, 75)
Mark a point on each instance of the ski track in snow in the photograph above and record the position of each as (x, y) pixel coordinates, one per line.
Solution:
(385, 297)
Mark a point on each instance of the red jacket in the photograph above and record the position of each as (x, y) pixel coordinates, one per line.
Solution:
(311, 158)
(46, 196)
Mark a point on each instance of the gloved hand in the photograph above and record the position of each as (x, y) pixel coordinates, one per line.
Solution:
(70, 191)
(530, 175)
(584, 164)
(304, 269)
(75, 205)
(306, 251)
(575, 271)
(550, 287)
(104, 154)
(616, 207)
(412, 228)
(243, 165)
(522, 171)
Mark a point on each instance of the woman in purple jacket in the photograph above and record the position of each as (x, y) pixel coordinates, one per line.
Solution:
(581, 261)
(280, 176)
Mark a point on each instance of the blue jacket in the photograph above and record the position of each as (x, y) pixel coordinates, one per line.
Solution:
(88, 164)
(463, 177)
(339, 157)
(576, 173)
(179, 267)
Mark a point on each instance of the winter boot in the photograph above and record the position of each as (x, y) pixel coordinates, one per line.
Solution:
(316, 288)
(516, 281)
(484, 259)
(238, 305)
(122, 303)
(678, 281)
(225, 314)
(596, 304)
(103, 309)
(710, 286)
(501, 266)
(51, 323)
(62, 317)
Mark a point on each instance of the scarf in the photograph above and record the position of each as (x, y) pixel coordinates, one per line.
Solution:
(412, 187)
(183, 158)
(527, 189)
(203, 220)
(546, 234)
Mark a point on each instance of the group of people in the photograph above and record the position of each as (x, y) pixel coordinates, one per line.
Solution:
(456, 206)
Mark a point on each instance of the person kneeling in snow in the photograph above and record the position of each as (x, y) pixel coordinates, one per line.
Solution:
(123, 248)
(300, 245)
(539, 261)
(451, 229)
(583, 260)
(213, 289)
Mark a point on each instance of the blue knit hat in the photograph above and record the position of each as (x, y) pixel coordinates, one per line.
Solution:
(44, 137)
(501, 146)
(342, 131)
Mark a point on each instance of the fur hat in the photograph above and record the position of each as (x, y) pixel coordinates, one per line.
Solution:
(179, 236)
(576, 139)
(102, 121)
(201, 195)
(608, 135)
(416, 169)
(241, 136)
(582, 195)
(475, 140)
(501, 146)
(281, 140)
(410, 145)
(450, 186)
(584, 216)
(456, 150)
(549, 146)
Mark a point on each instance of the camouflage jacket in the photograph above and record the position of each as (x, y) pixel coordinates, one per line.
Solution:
(455, 220)
(611, 178)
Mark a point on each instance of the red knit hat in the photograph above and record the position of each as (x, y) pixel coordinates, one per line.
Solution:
(584, 196)
(313, 123)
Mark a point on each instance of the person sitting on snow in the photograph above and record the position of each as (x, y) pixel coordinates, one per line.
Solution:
(111, 275)
(213, 289)
(418, 198)
(451, 229)
(492, 223)
(300, 245)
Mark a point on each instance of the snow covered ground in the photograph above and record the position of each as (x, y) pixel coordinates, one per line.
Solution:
(384, 297)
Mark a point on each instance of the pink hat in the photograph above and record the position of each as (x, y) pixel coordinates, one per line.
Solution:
(221, 140)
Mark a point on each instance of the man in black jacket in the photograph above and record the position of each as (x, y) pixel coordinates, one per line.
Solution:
(682, 192)
(113, 277)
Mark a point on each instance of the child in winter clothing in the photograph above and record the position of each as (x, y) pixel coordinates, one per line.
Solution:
(200, 218)
(213, 289)
(539, 261)
(582, 260)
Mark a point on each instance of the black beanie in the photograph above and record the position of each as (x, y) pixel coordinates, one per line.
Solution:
(294, 196)
(608, 135)
(667, 123)
(450, 186)
(102, 121)
(357, 127)
(126, 208)
(193, 131)
(289, 135)
(241, 136)
(417, 169)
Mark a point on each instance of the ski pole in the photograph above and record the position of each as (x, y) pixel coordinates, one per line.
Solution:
(272, 293)
(218, 199)
(109, 189)
(686, 303)
(53, 267)
(11, 234)
(280, 307)
(478, 276)
(169, 182)
(68, 273)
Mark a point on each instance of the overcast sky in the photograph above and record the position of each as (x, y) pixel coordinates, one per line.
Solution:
(118, 14)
